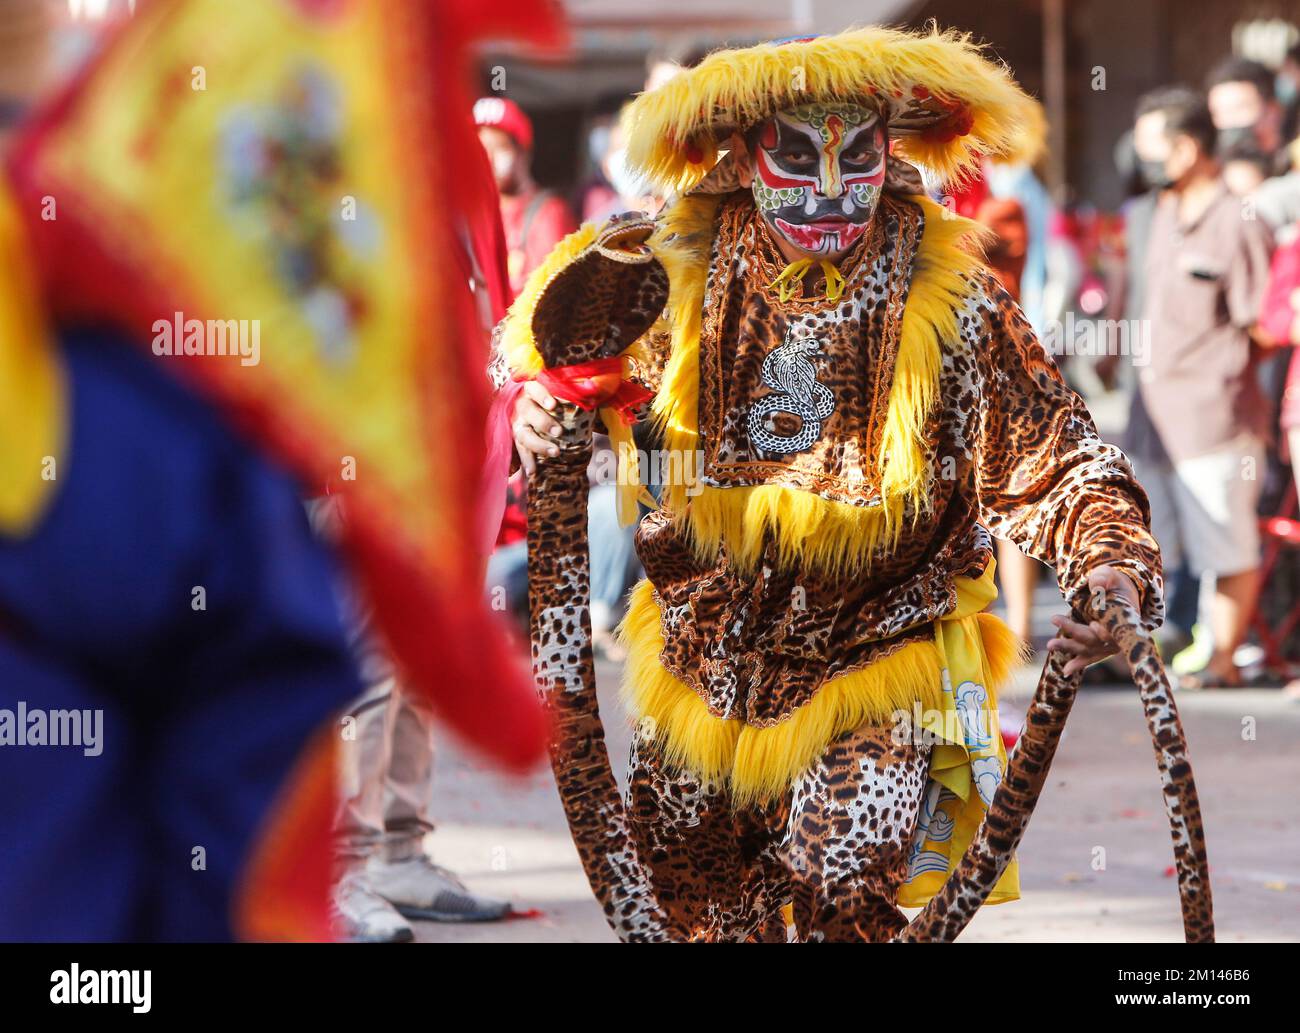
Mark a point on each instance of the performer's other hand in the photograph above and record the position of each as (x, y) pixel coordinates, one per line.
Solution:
(1088, 643)
(533, 427)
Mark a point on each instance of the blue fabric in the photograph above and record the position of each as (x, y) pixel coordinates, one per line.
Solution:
(204, 711)
(612, 548)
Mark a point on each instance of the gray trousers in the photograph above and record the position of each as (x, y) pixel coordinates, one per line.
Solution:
(386, 753)
(386, 777)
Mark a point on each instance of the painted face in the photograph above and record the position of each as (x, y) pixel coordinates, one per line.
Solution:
(818, 170)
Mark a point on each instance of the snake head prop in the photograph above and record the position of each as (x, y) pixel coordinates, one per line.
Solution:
(604, 299)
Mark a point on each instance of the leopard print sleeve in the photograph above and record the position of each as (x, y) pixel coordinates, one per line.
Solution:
(498, 370)
(1042, 476)
(650, 357)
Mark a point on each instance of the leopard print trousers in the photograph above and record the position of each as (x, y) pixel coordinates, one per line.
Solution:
(834, 847)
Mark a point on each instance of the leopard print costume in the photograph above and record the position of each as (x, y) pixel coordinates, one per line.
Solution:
(1017, 452)
(1013, 451)
(835, 846)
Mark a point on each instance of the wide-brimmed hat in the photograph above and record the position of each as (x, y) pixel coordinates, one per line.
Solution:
(945, 102)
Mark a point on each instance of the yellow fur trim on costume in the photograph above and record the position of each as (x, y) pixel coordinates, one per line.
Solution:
(831, 536)
(682, 244)
(33, 430)
(758, 764)
(768, 760)
(1031, 137)
(690, 736)
(673, 131)
(948, 258)
(1004, 650)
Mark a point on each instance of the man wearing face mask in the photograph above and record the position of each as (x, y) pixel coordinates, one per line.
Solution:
(1196, 432)
(1254, 109)
(534, 219)
(1286, 87)
(1150, 149)
(1240, 95)
(811, 671)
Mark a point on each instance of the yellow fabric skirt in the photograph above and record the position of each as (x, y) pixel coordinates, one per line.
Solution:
(943, 692)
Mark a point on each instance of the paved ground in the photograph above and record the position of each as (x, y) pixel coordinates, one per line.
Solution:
(508, 837)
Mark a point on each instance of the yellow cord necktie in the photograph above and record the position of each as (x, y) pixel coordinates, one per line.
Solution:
(788, 283)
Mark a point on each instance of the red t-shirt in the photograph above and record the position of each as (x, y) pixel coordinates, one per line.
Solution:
(1280, 318)
(545, 219)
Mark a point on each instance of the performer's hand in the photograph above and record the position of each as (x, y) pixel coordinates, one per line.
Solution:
(1088, 643)
(533, 427)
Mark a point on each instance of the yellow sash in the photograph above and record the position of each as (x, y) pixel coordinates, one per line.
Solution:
(968, 758)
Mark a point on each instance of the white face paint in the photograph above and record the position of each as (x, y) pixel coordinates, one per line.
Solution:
(818, 173)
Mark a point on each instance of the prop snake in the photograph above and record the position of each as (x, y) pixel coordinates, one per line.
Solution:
(592, 309)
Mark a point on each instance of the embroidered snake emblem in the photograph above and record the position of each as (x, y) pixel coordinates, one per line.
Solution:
(790, 373)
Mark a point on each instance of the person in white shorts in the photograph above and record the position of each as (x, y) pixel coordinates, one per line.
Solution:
(1206, 273)
(1204, 514)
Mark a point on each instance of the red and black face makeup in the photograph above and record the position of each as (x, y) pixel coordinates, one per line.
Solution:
(818, 173)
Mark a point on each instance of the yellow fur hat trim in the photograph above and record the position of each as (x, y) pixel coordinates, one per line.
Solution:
(830, 536)
(1031, 138)
(759, 764)
(946, 102)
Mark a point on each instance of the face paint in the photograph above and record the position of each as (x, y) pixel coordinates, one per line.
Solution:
(818, 174)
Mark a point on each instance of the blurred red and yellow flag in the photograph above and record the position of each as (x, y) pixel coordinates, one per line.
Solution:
(288, 182)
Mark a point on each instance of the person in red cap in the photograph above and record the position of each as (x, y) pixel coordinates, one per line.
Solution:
(535, 219)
